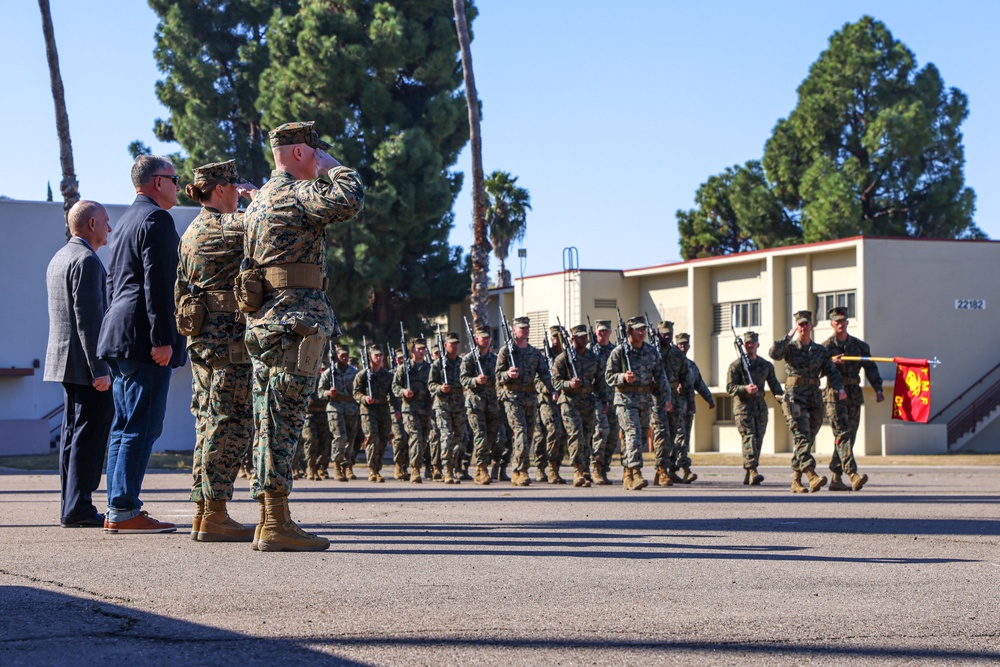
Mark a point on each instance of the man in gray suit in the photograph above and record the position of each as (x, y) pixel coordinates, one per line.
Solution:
(77, 301)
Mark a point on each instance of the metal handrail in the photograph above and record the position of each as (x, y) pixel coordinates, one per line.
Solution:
(966, 420)
(962, 395)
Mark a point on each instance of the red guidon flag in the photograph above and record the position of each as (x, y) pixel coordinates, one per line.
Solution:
(911, 397)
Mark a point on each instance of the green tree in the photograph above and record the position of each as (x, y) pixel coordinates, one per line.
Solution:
(382, 81)
(736, 211)
(48, 191)
(873, 145)
(213, 54)
(507, 206)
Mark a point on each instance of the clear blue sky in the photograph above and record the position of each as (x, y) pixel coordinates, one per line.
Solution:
(611, 114)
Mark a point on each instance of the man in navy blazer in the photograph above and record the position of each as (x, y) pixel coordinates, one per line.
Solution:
(139, 338)
(77, 301)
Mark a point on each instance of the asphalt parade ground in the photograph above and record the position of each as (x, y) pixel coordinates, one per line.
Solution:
(906, 571)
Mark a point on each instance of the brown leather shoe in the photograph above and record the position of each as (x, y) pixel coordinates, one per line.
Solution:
(140, 524)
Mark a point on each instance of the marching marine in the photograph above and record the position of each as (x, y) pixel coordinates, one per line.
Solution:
(549, 441)
(482, 405)
(449, 405)
(750, 409)
(669, 446)
(410, 384)
(606, 430)
(342, 412)
(372, 387)
(697, 386)
(805, 361)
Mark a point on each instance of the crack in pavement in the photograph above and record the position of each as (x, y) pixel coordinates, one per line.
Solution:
(60, 584)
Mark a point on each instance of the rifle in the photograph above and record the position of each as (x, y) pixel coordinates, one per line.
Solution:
(406, 357)
(548, 351)
(443, 355)
(740, 350)
(654, 334)
(475, 347)
(593, 335)
(366, 365)
(623, 339)
(569, 347)
(508, 336)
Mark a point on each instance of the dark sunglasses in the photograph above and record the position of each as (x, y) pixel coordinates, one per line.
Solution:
(175, 178)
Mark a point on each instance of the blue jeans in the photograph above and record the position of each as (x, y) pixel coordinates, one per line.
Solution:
(140, 394)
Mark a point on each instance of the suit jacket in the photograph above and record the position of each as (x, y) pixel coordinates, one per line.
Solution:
(141, 277)
(77, 301)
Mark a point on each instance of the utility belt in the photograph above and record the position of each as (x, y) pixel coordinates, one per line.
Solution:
(221, 301)
(520, 386)
(580, 391)
(341, 398)
(305, 355)
(233, 354)
(796, 381)
(254, 281)
(851, 381)
(634, 389)
(376, 401)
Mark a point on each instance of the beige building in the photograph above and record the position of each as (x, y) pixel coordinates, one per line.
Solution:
(907, 298)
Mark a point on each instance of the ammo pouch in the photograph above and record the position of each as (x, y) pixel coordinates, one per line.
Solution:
(249, 288)
(191, 313)
(306, 354)
(236, 353)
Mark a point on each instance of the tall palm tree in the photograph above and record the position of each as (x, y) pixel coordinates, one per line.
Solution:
(69, 187)
(507, 206)
(480, 250)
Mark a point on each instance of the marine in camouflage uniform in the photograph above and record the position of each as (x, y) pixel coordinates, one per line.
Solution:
(432, 464)
(482, 405)
(749, 407)
(409, 383)
(285, 260)
(449, 405)
(516, 377)
(606, 430)
(635, 393)
(342, 412)
(845, 416)
(549, 441)
(581, 385)
(669, 441)
(209, 257)
(316, 436)
(697, 386)
(376, 418)
(805, 361)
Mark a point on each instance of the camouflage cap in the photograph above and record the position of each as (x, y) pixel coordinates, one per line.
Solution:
(636, 322)
(290, 134)
(554, 329)
(418, 342)
(373, 350)
(837, 314)
(340, 349)
(665, 327)
(682, 338)
(803, 316)
(452, 337)
(603, 325)
(750, 337)
(483, 330)
(579, 330)
(216, 171)
(522, 322)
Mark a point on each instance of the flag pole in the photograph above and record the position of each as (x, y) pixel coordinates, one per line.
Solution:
(895, 360)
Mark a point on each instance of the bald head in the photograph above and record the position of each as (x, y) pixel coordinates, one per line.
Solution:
(89, 220)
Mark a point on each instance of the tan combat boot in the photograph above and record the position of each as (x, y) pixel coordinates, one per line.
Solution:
(816, 482)
(600, 479)
(580, 477)
(688, 476)
(437, 475)
(662, 478)
(837, 483)
(673, 477)
(260, 522)
(324, 472)
(857, 481)
(553, 476)
(399, 473)
(338, 472)
(521, 478)
(218, 526)
(199, 512)
(449, 475)
(415, 476)
(797, 483)
(637, 481)
(540, 474)
(627, 479)
(755, 477)
(349, 471)
(376, 476)
(280, 533)
(482, 475)
(465, 476)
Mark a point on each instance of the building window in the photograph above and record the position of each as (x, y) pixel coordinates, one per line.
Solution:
(724, 409)
(610, 304)
(539, 327)
(830, 300)
(739, 314)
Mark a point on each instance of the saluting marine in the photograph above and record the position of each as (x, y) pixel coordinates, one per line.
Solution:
(805, 361)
